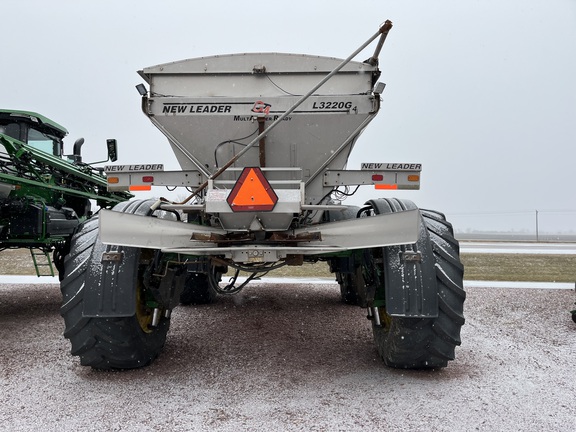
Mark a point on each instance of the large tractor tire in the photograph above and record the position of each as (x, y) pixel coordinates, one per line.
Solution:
(109, 343)
(197, 290)
(423, 343)
(348, 288)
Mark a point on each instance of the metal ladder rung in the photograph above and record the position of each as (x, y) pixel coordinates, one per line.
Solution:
(38, 264)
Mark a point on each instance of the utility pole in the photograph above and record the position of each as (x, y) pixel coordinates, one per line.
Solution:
(537, 235)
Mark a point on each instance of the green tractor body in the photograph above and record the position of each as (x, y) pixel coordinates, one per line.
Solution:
(43, 194)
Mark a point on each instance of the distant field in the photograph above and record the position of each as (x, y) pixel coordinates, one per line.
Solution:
(520, 267)
(16, 262)
(495, 267)
(489, 267)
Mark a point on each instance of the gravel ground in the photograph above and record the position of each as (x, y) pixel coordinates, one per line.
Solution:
(291, 357)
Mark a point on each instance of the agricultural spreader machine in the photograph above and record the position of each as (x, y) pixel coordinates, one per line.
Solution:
(263, 141)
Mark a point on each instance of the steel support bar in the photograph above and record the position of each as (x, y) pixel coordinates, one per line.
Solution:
(384, 33)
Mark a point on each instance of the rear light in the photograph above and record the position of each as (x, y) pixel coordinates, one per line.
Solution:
(140, 188)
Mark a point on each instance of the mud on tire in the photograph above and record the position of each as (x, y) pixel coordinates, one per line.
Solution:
(107, 343)
(428, 343)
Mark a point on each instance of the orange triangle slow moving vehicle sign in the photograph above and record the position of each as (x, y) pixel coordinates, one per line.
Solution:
(252, 192)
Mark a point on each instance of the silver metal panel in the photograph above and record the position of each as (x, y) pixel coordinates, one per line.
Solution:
(243, 253)
(245, 62)
(127, 229)
(279, 219)
(252, 107)
(233, 75)
(208, 108)
(242, 85)
(289, 201)
(307, 138)
(399, 179)
(268, 221)
(314, 130)
(383, 230)
(191, 179)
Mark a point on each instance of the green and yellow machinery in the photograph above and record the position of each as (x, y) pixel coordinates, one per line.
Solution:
(44, 194)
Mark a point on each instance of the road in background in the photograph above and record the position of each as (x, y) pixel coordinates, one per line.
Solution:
(518, 248)
(34, 280)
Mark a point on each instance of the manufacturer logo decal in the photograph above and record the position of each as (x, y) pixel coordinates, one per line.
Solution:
(261, 108)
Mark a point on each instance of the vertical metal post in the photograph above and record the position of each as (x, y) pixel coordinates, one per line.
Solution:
(537, 234)
(262, 144)
(155, 317)
(376, 314)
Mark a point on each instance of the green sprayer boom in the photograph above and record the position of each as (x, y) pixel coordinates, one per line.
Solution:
(44, 195)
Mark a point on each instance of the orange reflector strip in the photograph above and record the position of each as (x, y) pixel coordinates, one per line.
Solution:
(113, 180)
(386, 186)
(414, 178)
(252, 192)
(140, 187)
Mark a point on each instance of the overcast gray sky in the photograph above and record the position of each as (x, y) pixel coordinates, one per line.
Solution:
(481, 92)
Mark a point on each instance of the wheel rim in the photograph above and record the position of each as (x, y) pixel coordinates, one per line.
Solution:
(385, 319)
(143, 312)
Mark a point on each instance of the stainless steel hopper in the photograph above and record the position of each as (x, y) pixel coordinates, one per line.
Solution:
(211, 107)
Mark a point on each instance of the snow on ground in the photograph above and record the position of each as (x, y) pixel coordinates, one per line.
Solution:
(31, 280)
(292, 357)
